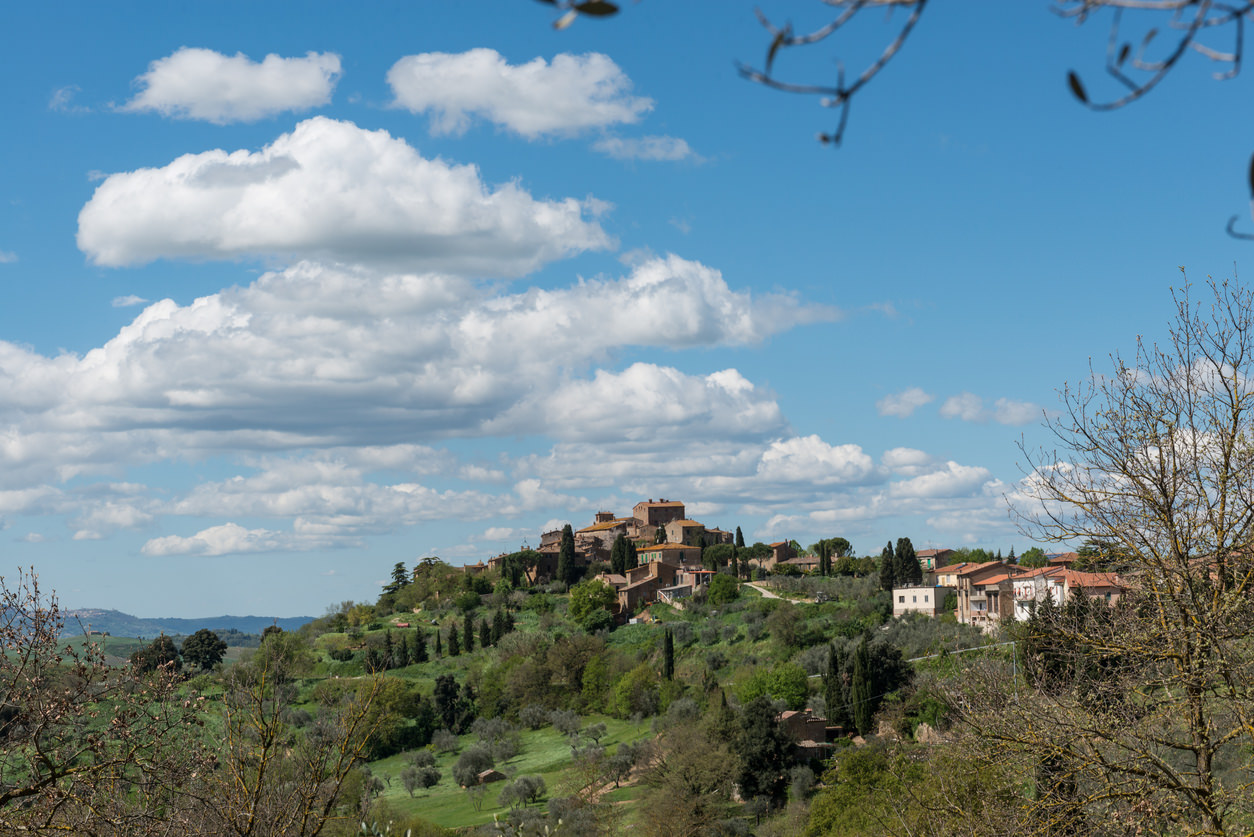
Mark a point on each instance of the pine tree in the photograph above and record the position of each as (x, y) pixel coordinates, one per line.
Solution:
(1012, 559)
(419, 654)
(400, 577)
(740, 539)
(888, 567)
(668, 655)
(468, 633)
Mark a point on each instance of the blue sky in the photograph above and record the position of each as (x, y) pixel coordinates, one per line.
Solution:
(296, 291)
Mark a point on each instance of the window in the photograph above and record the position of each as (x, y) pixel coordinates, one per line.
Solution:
(901, 600)
(925, 598)
(914, 600)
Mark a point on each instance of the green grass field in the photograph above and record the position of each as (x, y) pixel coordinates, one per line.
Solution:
(544, 752)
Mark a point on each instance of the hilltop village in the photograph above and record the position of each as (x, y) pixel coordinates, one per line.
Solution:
(659, 554)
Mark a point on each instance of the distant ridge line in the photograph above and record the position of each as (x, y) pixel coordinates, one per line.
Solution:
(117, 623)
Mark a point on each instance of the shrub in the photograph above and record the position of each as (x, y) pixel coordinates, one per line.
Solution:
(523, 791)
(471, 763)
(445, 741)
(533, 716)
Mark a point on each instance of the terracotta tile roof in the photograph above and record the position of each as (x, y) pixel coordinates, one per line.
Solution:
(1051, 571)
(992, 579)
(666, 547)
(608, 524)
(967, 568)
(1079, 579)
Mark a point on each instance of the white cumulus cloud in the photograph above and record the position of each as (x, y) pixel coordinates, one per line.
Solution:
(1006, 411)
(965, 406)
(572, 94)
(206, 85)
(331, 190)
(951, 481)
(904, 403)
(811, 460)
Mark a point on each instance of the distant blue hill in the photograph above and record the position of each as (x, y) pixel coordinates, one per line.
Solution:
(116, 623)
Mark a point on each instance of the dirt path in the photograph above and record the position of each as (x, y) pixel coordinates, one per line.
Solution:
(768, 593)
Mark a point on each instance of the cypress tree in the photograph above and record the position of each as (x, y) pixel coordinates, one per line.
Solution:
(735, 563)
(618, 555)
(498, 625)
(388, 651)
(659, 535)
(888, 567)
(468, 633)
(439, 651)
(485, 633)
(740, 539)
(836, 689)
(454, 646)
(860, 688)
(419, 654)
(401, 658)
(633, 560)
(668, 655)
(566, 556)
(909, 571)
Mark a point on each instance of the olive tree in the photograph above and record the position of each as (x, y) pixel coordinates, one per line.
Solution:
(86, 748)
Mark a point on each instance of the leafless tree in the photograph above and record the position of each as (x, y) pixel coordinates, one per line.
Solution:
(1141, 717)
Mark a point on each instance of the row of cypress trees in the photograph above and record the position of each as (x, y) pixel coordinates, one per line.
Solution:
(899, 567)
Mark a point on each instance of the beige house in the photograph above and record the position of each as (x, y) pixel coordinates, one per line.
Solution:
(926, 599)
(1059, 585)
(985, 593)
(652, 515)
(678, 554)
(931, 559)
(685, 531)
